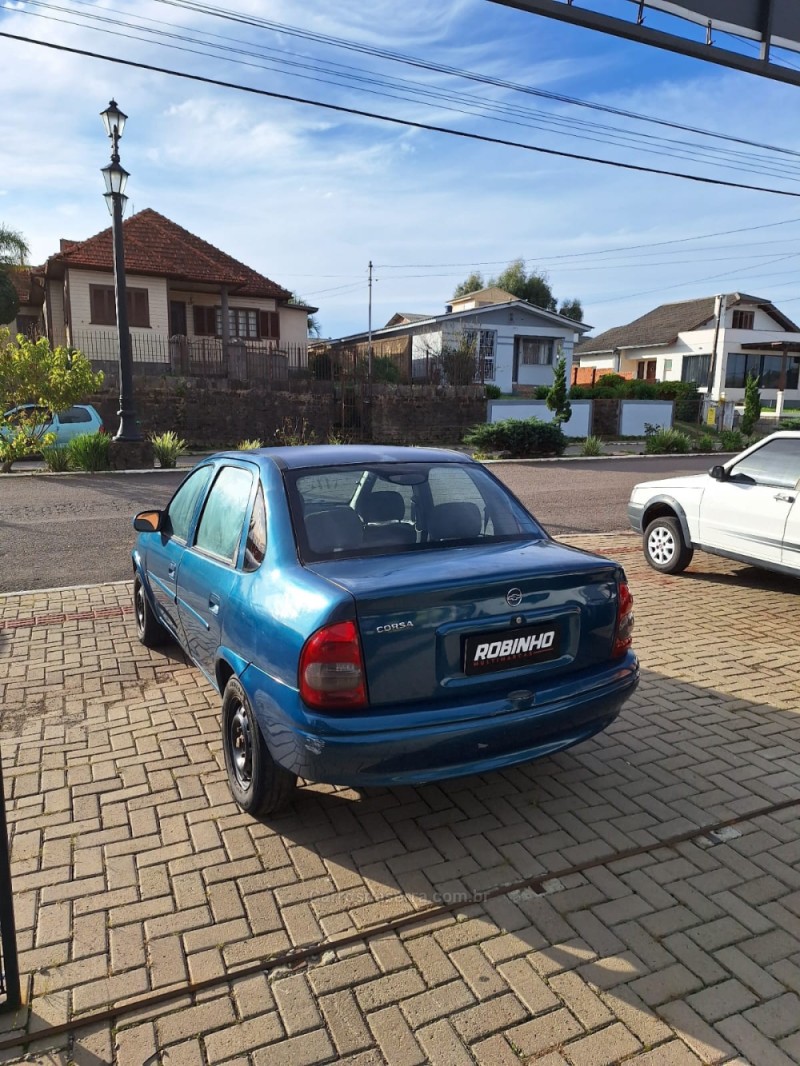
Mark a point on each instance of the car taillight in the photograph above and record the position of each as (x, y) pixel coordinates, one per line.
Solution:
(101, 429)
(624, 635)
(332, 669)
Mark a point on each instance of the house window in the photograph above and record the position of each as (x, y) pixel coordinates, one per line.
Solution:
(103, 306)
(535, 351)
(695, 368)
(28, 324)
(743, 319)
(243, 322)
(482, 343)
(766, 368)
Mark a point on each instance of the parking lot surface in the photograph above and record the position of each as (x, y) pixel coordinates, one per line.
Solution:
(635, 899)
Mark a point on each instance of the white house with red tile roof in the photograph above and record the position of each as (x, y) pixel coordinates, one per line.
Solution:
(177, 285)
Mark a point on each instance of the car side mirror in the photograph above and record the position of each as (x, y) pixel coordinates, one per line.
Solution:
(148, 521)
(718, 472)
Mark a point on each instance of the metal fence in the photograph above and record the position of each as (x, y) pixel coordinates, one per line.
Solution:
(10, 995)
(156, 354)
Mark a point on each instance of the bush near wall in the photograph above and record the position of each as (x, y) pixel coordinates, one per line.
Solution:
(518, 438)
(613, 387)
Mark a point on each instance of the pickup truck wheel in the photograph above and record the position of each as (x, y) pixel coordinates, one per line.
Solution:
(664, 546)
(257, 783)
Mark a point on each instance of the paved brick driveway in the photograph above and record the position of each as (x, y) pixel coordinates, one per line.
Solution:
(545, 940)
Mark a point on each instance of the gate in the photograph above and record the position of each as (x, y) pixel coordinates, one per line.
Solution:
(9, 963)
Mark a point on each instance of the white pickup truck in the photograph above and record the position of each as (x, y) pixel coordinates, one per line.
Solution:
(747, 509)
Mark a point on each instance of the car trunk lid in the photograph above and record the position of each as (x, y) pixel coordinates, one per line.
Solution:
(453, 623)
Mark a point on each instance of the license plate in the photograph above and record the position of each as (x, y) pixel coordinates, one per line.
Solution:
(487, 652)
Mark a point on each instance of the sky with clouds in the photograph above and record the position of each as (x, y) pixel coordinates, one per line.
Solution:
(310, 196)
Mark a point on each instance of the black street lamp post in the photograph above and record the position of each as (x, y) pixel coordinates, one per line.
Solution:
(115, 178)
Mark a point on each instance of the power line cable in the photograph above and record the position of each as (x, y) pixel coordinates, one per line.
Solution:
(379, 86)
(602, 251)
(409, 123)
(399, 57)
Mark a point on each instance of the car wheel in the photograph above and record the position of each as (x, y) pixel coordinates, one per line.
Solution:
(258, 784)
(664, 546)
(150, 631)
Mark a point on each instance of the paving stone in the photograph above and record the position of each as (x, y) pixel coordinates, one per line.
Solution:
(602, 1048)
(777, 1018)
(394, 1038)
(548, 1031)
(751, 1042)
(704, 1040)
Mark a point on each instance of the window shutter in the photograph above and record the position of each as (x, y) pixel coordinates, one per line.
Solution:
(101, 305)
(269, 325)
(205, 321)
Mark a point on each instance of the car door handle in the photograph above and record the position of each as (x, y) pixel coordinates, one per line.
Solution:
(784, 497)
(172, 569)
(213, 603)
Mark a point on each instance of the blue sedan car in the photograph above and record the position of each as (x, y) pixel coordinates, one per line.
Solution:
(379, 616)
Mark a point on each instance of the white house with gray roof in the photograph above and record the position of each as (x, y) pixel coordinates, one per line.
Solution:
(716, 339)
(516, 342)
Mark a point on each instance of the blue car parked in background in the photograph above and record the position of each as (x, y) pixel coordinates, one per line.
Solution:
(379, 616)
(64, 425)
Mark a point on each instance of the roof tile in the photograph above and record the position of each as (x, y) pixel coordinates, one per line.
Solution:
(157, 246)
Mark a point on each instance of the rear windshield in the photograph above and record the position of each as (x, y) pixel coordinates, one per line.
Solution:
(386, 508)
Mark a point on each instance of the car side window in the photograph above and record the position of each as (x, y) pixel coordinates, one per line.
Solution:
(776, 463)
(73, 415)
(220, 528)
(256, 545)
(181, 507)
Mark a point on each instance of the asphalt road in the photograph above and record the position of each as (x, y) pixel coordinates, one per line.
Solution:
(75, 529)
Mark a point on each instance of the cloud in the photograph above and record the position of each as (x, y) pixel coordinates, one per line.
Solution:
(309, 196)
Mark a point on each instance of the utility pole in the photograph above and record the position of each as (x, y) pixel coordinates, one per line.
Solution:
(721, 307)
(369, 332)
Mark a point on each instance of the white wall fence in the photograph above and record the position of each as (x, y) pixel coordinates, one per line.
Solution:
(579, 424)
(634, 415)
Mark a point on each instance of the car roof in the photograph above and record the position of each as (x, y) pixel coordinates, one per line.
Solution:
(324, 455)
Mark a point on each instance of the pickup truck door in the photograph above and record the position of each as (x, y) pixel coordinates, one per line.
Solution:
(791, 536)
(747, 512)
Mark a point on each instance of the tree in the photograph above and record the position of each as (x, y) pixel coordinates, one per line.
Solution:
(31, 372)
(533, 286)
(571, 309)
(470, 284)
(752, 404)
(14, 253)
(458, 358)
(558, 396)
(14, 250)
(9, 299)
(312, 324)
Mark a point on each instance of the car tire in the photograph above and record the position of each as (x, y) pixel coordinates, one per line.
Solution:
(149, 630)
(664, 546)
(258, 784)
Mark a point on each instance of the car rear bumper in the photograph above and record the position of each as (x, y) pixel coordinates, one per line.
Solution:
(436, 742)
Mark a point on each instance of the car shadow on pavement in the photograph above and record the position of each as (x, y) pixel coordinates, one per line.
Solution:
(597, 884)
(750, 576)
